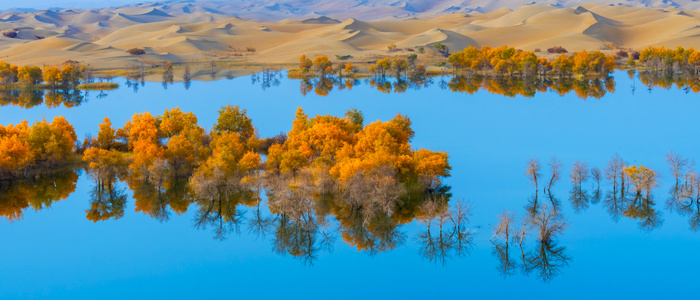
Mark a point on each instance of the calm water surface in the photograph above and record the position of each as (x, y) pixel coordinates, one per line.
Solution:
(55, 252)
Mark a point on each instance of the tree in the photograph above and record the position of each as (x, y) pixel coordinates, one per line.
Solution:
(52, 76)
(355, 116)
(52, 143)
(29, 75)
(554, 165)
(175, 122)
(643, 179)
(398, 65)
(350, 69)
(143, 138)
(8, 73)
(579, 173)
(15, 154)
(533, 171)
(305, 64)
(391, 47)
(321, 64)
(383, 65)
(235, 119)
(106, 137)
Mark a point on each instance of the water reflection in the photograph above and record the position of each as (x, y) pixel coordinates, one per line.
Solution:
(27, 98)
(303, 214)
(684, 196)
(107, 201)
(509, 86)
(39, 193)
(545, 257)
(446, 232)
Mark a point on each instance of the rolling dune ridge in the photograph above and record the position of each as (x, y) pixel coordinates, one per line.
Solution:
(182, 32)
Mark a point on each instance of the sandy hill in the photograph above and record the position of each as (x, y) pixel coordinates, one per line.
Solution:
(204, 31)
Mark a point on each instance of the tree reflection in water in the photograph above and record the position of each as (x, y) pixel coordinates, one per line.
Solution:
(28, 98)
(545, 257)
(38, 193)
(446, 232)
(684, 196)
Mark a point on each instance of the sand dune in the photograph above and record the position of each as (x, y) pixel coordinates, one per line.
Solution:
(184, 32)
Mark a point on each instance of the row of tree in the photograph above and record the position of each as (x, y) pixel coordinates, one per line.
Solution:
(508, 60)
(67, 76)
(341, 150)
(677, 60)
(322, 66)
(25, 149)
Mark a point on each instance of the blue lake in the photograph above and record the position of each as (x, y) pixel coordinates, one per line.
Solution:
(55, 252)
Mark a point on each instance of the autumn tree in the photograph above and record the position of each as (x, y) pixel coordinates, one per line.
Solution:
(235, 119)
(52, 76)
(350, 69)
(383, 65)
(30, 75)
(8, 73)
(399, 65)
(142, 133)
(322, 64)
(305, 64)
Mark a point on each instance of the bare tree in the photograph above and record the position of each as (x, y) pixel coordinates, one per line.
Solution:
(533, 171)
(614, 170)
(579, 173)
(554, 165)
(504, 228)
(677, 165)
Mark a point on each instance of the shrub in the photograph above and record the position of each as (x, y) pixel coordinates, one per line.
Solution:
(557, 49)
(343, 57)
(621, 54)
(136, 51)
(250, 49)
(538, 50)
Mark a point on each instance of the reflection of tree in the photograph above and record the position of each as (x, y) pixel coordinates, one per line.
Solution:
(39, 193)
(577, 195)
(642, 208)
(615, 203)
(445, 232)
(28, 98)
(528, 86)
(302, 238)
(501, 246)
(156, 197)
(106, 201)
(259, 223)
(218, 208)
(546, 258)
(684, 196)
(23, 98)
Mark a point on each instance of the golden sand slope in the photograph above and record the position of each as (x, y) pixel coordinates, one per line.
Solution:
(102, 37)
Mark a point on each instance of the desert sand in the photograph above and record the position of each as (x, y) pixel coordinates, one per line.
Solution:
(100, 37)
